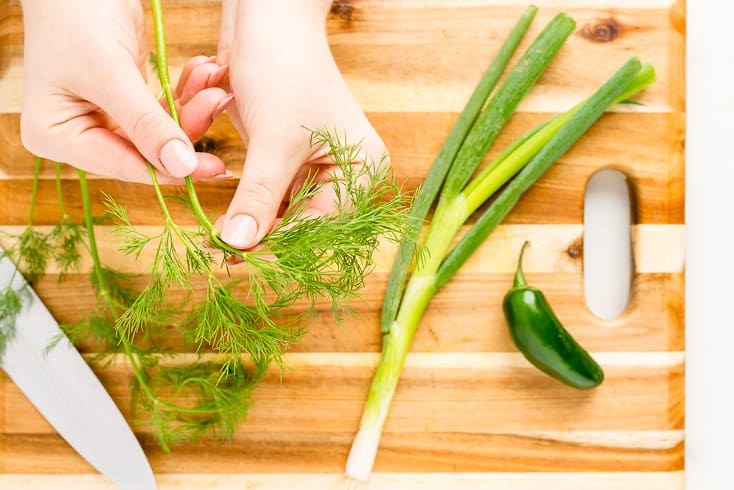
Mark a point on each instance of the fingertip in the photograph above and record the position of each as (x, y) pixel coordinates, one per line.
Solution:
(239, 231)
(178, 158)
(223, 176)
(217, 76)
(210, 167)
(222, 106)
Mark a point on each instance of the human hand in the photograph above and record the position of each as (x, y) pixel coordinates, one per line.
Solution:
(86, 102)
(284, 78)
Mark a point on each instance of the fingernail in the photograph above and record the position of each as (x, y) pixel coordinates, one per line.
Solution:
(226, 175)
(216, 77)
(222, 106)
(178, 158)
(212, 59)
(240, 231)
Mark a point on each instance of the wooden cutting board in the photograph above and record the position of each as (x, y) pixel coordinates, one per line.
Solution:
(470, 412)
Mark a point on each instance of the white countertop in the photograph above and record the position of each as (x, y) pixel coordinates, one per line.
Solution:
(710, 246)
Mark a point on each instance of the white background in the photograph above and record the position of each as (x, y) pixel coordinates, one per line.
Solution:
(710, 246)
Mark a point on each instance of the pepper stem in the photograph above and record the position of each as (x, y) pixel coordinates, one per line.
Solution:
(520, 281)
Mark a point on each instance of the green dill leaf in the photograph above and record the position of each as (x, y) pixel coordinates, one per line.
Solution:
(33, 253)
(67, 239)
(11, 304)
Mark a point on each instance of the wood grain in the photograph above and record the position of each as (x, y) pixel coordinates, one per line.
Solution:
(470, 412)
(649, 156)
(666, 480)
(497, 396)
(382, 47)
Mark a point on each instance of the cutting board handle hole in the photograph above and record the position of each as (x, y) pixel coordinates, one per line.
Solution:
(607, 244)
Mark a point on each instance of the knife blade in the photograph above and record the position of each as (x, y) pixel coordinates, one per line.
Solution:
(64, 389)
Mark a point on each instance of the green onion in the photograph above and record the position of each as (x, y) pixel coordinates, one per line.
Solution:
(447, 220)
(565, 130)
(526, 160)
(436, 175)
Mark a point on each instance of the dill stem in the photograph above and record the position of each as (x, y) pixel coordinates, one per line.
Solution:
(159, 195)
(165, 79)
(102, 283)
(89, 225)
(64, 214)
(34, 190)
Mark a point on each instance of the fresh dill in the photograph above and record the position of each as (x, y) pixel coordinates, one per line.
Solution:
(32, 249)
(249, 322)
(66, 236)
(180, 401)
(302, 260)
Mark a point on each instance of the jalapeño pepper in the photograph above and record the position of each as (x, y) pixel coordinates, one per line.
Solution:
(541, 338)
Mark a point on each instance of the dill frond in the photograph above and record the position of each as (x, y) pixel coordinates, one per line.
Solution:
(224, 323)
(33, 253)
(186, 403)
(68, 240)
(11, 304)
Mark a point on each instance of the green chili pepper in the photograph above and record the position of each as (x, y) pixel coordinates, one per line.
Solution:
(541, 338)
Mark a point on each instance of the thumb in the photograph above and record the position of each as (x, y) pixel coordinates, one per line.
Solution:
(265, 180)
(147, 125)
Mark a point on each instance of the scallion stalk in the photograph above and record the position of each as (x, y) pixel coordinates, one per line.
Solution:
(398, 329)
(428, 191)
(526, 160)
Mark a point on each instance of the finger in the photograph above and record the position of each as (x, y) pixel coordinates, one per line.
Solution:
(227, 30)
(128, 101)
(203, 76)
(187, 69)
(210, 167)
(267, 174)
(102, 152)
(202, 109)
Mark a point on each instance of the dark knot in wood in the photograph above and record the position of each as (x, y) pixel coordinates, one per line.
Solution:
(343, 9)
(206, 145)
(576, 249)
(602, 31)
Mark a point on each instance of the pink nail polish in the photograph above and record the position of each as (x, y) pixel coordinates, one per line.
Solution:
(226, 175)
(178, 158)
(240, 231)
(222, 106)
(216, 77)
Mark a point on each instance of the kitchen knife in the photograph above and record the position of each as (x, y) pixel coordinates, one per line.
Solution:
(67, 393)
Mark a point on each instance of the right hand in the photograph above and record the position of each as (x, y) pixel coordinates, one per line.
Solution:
(86, 101)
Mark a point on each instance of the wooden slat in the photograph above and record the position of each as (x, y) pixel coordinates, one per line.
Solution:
(465, 316)
(378, 481)
(646, 147)
(475, 393)
(554, 248)
(317, 453)
(382, 48)
(615, 428)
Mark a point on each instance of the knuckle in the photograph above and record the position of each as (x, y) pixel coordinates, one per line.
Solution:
(255, 194)
(376, 151)
(32, 133)
(144, 128)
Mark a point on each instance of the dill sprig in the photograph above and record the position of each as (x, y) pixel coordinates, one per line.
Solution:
(302, 260)
(11, 304)
(66, 236)
(326, 256)
(180, 402)
(32, 249)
